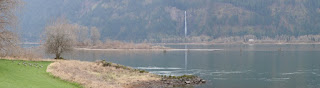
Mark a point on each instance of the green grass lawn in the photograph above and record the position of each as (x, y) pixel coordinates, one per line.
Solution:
(13, 75)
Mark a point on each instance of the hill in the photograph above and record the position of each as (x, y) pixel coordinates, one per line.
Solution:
(159, 19)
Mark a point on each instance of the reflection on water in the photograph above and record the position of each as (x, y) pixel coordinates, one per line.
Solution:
(237, 66)
(185, 58)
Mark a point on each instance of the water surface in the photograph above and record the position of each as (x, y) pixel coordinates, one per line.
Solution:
(237, 66)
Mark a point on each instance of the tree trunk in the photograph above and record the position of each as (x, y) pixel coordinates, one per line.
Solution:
(58, 56)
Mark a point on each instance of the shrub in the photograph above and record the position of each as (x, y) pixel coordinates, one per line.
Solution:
(143, 71)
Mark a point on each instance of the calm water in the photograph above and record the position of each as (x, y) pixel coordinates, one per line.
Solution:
(238, 66)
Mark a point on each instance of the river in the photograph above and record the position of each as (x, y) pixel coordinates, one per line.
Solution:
(236, 66)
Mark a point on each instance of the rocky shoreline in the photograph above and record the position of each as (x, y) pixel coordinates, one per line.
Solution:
(171, 81)
(165, 82)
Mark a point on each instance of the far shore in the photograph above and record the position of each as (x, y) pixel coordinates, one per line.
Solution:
(148, 49)
(236, 43)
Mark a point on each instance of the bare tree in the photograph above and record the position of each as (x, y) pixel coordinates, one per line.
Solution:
(8, 41)
(8, 23)
(60, 37)
(8, 9)
(95, 36)
(82, 35)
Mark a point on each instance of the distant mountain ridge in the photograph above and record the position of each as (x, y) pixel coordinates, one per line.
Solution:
(157, 19)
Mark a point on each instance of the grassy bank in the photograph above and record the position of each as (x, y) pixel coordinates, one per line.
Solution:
(31, 75)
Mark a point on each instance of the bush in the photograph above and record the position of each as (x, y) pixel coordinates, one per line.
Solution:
(122, 67)
(143, 71)
(106, 64)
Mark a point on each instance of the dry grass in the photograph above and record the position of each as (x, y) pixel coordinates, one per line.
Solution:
(19, 53)
(95, 75)
(26, 58)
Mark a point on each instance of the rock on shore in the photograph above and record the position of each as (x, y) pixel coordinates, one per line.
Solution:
(171, 81)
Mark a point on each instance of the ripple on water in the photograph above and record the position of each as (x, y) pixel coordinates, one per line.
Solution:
(277, 79)
(292, 73)
(169, 73)
(220, 78)
(227, 72)
(158, 68)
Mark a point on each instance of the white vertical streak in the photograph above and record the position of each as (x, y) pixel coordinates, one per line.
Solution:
(185, 24)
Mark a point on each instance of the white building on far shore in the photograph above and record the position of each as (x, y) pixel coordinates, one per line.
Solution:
(251, 40)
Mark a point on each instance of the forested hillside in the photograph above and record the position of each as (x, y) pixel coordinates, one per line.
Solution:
(140, 20)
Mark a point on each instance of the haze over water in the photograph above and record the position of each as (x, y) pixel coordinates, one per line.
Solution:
(237, 66)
